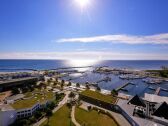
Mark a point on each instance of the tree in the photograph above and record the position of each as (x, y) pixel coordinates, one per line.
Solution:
(55, 83)
(15, 90)
(58, 95)
(48, 112)
(37, 114)
(22, 122)
(77, 85)
(51, 105)
(62, 85)
(56, 79)
(49, 81)
(63, 82)
(32, 119)
(71, 95)
(114, 92)
(30, 87)
(69, 104)
(69, 84)
(89, 108)
(98, 88)
(87, 86)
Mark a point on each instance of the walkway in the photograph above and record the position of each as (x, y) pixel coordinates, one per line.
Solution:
(73, 117)
(61, 103)
(157, 91)
(118, 117)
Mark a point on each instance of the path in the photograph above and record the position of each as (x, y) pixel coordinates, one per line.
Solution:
(118, 117)
(61, 103)
(73, 117)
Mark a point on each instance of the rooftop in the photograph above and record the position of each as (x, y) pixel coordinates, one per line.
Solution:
(155, 98)
(99, 96)
(16, 80)
(15, 97)
(31, 98)
(5, 107)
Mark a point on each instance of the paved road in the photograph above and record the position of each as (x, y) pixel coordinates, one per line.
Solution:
(73, 117)
(61, 103)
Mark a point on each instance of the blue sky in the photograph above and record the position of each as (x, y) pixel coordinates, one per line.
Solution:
(103, 29)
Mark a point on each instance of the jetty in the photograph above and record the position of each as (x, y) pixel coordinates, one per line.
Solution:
(157, 91)
(124, 85)
(104, 79)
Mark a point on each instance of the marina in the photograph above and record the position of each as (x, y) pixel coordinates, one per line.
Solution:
(110, 81)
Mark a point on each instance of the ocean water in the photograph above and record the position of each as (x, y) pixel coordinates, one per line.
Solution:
(10, 65)
(139, 88)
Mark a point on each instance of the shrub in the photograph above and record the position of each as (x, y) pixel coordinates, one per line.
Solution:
(51, 105)
(87, 86)
(77, 85)
(15, 90)
(37, 114)
(71, 95)
(114, 92)
(89, 108)
(98, 88)
(48, 112)
(69, 84)
(69, 105)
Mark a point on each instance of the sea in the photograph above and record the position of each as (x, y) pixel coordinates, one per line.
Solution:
(12, 65)
(139, 88)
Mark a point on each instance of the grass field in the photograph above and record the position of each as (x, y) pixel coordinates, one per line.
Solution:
(92, 118)
(99, 96)
(60, 118)
(35, 97)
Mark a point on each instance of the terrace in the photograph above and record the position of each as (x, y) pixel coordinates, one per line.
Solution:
(31, 98)
(97, 95)
(86, 118)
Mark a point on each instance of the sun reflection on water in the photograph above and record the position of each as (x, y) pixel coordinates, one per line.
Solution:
(83, 65)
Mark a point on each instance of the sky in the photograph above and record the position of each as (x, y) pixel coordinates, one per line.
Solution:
(99, 29)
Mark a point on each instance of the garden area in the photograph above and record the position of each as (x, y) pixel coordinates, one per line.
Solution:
(42, 112)
(31, 98)
(93, 118)
(99, 96)
(60, 118)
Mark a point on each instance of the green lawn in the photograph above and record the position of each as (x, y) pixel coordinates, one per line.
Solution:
(92, 118)
(60, 118)
(99, 96)
(35, 97)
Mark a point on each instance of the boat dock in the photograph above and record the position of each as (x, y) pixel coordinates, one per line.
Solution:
(104, 79)
(157, 91)
(123, 86)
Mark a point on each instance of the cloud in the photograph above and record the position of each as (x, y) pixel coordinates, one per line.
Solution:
(82, 55)
(121, 38)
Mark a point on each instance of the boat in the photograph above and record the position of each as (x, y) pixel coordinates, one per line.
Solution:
(130, 76)
(152, 80)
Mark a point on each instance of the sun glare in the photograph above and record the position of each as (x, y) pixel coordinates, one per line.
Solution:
(81, 63)
(82, 3)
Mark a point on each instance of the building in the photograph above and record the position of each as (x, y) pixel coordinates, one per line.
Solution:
(22, 106)
(161, 110)
(4, 85)
(14, 98)
(137, 101)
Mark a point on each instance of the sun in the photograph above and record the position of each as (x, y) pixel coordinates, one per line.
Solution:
(82, 3)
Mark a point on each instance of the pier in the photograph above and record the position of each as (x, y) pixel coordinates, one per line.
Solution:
(123, 86)
(157, 91)
(104, 79)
